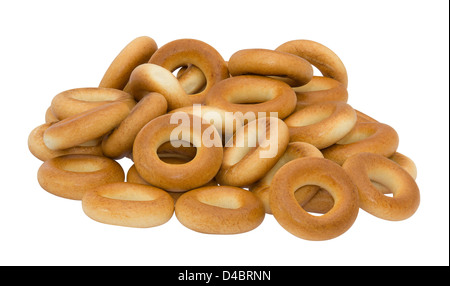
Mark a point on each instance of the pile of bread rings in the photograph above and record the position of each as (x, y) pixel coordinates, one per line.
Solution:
(330, 160)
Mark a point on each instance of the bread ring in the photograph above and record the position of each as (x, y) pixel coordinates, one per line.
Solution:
(128, 204)
(75, 101)
(320, 56)
(50, 117)
(322, 173)
(362, 117)
(253, 94)
(182, 52)
(192, 79)
(364, 167)
(70, 176)
(225, 123)
(42, 152)
(321, 89)
(85, 126)
(271, 63)
(323, 201)
(182, 177)
(148, 78)
(321, 124)
(253, 150)
(293, 151)
(120, 141)
(137, 52)
(219, 210)
(370, 137)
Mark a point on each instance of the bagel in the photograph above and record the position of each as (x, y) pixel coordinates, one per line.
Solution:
(192, 79)
(38, 148)
(70, 176)
(321, 124)
(323, 201)
(370, 137)
(219, 210)
(320, 56)
(50, 117)
(128, 204)
(197, 172)
(293, 151)
(362, 117)
(75, 101)
(85, 126)
(364, 167)
(253, 95)
(321, 89)
(253, 150)
(135, 53)
(120, 141)
(148, 78)
(319, 172)
(271, 63)
(182, 52)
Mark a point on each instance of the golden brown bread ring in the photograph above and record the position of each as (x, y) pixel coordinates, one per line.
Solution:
(148, 78)
(321, 124)
(362, 117)
(219, 210)
(177, 178)
(370, 137)
(320, 56)
(321, 89)
(85, 126)
(182, 52)
(364, 167)
(135, 53)
(226, 124)
(119, 142)
(70, 176)
(75, 101)
(254, 95)
(42, 152)
(271, 63)
(250, 154)
(293, 151)
(323, 201)
(325, 174)
(192, 79)
(128, 204)
(50, 117)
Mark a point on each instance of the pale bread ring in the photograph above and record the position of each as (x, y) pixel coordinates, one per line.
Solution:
(253, 94)
(197, 172)
(370, 137)
(135, 53)
(293, 151)
(271, 63)
(249, 154)
(182, 52)
(320, 56)
(119, 142)
(75, 101)
(85, 126)
(219, 210)
(70, 176)
(128, 204)
(325, 174)
(321, 124)
(364, 167)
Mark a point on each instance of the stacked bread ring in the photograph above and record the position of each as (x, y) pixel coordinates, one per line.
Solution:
(221, 144)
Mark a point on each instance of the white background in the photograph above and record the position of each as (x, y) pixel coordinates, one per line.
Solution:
(396, 54)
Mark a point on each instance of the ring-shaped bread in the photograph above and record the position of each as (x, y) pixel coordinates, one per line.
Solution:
(321, 89)
(366, 167)
(219, 210)
(177, 178)
(271, 63)
(319, 172)
(253, 95)
(70, 176)
(183, 52)
(128, 204)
